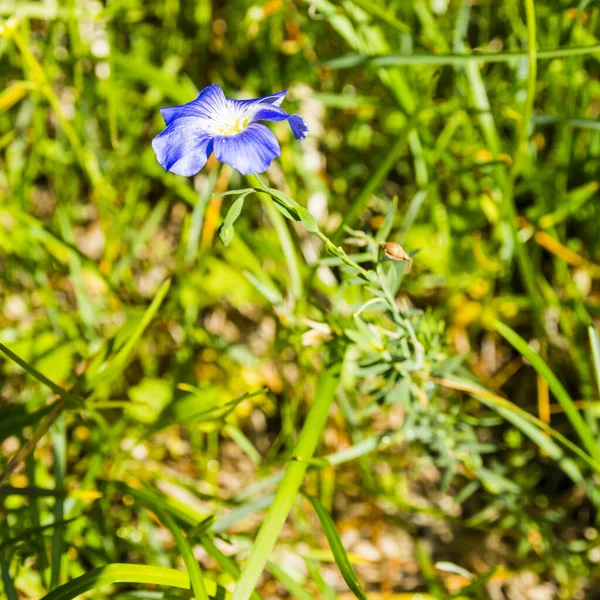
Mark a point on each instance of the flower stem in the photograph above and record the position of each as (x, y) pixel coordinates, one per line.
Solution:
(340, 253)
(285, 239)
(336, 250)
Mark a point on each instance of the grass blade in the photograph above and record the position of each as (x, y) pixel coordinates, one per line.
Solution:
(57, 389)
(556, 387)
(41, 430)
(197, 220)
(393, 60)
(59, 450)
(552, 120)
(160, 505)
(595, 342)
(287, 490)
(314, 570)
(337, 548)
(227, 564)
(499, 402)
(117, 364)
(193, 568)
(120, 573)
(382, 14)
(7, 582)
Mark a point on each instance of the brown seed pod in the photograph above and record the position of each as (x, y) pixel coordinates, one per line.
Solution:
(394, 251)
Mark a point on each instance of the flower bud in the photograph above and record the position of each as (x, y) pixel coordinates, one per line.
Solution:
(394, 251)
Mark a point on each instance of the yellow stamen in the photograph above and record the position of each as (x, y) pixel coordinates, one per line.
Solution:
(237, 126)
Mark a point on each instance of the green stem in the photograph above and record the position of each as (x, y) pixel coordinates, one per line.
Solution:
(339, 252)
(336, 250)
(510, 209)
(285, 239)
(290, 484)
(531, 81)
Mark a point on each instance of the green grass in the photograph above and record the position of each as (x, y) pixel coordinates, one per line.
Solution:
(219, 387)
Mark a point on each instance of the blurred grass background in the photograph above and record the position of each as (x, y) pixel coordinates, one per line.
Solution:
(190, 365)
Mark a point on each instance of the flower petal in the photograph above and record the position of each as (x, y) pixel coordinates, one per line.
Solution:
(298, 126)
(273, 100)
(274, 113)
(209, 103)
(183, 147)
(269, 112)
(250, 151)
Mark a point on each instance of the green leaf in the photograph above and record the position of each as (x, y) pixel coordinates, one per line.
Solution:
(148, 398)
(193, 568)
(287, 211)
(309, 222)
(119, 573)
(556, 387)
(244, 191)
(226, 230)
(595, 342)
(289, 204)
(159, 503)
(339, 552)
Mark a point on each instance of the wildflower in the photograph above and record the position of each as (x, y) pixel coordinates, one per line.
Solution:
(228, 127)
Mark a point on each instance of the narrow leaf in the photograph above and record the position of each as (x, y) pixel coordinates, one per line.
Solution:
(119, 573)
(556, 387)
(339, 552)
(226, 229)
(595, 342)
(193, 568)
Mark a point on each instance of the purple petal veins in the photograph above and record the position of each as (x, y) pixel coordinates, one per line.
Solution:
(229, 127)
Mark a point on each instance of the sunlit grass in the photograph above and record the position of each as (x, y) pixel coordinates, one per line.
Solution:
(223, 386)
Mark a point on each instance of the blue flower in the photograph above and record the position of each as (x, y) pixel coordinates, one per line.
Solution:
(229, 127)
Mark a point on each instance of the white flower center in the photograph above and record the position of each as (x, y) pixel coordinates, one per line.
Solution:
(230, 119)
(233, 127)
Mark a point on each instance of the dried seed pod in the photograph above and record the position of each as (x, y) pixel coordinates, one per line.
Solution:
(394, 251)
